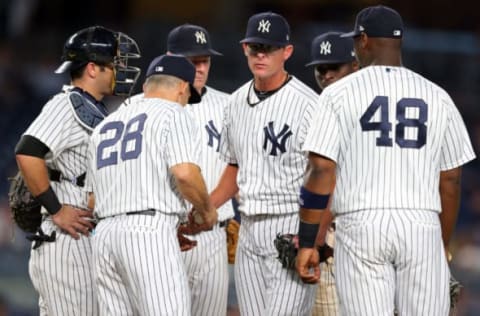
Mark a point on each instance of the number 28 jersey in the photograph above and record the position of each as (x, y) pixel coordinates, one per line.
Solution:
(131, 153)
(391, 132)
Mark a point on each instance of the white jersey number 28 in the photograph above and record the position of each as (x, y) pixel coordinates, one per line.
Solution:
(131, 146)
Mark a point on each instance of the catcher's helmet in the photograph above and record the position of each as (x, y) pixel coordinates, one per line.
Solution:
(103, 46)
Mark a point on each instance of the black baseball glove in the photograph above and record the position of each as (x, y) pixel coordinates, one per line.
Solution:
(25, 209)
(455, 289)
(287, 247)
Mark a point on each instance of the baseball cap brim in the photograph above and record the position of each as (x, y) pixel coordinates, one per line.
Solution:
(199, 52)
(327, 62)
(259, 40)
(194, 95)
(66, 65)
(350, 34)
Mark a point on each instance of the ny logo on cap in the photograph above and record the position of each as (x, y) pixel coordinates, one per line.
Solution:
(264, 26)
(325, 48)
(159, 69)
(200, 37)
(397, 33)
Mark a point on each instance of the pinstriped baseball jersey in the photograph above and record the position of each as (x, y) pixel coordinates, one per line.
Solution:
(390, 140)
(67, 140)
(131, 153)
(61, 270)
(209, 116)
(207, 264)
(265, 140)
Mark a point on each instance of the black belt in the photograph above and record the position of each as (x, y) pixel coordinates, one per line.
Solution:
(149, 212)
(152, 212)
(56, 175)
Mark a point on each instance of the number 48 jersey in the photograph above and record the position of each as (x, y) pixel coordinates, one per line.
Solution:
(391, 132)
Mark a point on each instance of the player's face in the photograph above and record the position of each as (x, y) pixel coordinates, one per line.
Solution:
(202, 67)
(106, 78)
(266, 61)
(327, 74)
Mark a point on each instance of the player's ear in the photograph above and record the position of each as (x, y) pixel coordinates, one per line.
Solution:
(355, 65)
(90, 69)
(287, 52)
(363, 40)
(245, 49)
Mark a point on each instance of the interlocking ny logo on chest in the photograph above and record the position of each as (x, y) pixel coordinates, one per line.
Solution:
(213, 135)
(276, 142)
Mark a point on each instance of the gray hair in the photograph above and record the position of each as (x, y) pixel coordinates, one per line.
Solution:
(164, 81)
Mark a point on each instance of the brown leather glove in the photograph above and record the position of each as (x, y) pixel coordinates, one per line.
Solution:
(233, 228)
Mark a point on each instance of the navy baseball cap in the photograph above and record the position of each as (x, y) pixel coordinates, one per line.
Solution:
(190, 40)
(267, 28)
(177, 66)
(330, 48)
(378, 21)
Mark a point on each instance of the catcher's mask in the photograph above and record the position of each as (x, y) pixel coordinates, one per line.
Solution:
(103, 46)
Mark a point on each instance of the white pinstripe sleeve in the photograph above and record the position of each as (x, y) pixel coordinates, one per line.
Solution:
(226, 150)
(323, 137)
(53, 126)
(457, 148)
(183, 140)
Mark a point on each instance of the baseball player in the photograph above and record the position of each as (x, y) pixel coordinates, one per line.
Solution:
(392, 144)
(51, 155)
(144, 166)
(206, 264)
(263, 131)
(333, 58)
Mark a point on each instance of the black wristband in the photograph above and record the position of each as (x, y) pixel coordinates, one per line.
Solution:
(49, 200)
(307, 234)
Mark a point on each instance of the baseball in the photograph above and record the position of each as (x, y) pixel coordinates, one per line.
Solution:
(197, 218)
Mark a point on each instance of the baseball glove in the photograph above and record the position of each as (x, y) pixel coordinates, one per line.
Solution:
(287, 247)
(232, 239)
(455, 290)
(25, 209)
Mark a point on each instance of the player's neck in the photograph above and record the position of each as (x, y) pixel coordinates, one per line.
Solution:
(88, 88)
(271, 83)
(394, 60)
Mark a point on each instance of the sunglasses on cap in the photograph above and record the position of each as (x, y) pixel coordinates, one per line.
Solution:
(323, 69)
(256, 48)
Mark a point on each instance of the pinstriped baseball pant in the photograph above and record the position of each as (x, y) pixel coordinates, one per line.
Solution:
(138, 268)
(263, 287)
(207, 271)
(61, 272)
(388, 259)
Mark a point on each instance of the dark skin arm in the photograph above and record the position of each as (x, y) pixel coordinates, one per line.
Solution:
(320, 180)
(450, 187)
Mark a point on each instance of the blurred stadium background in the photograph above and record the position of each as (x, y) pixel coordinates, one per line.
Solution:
(441, 42)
